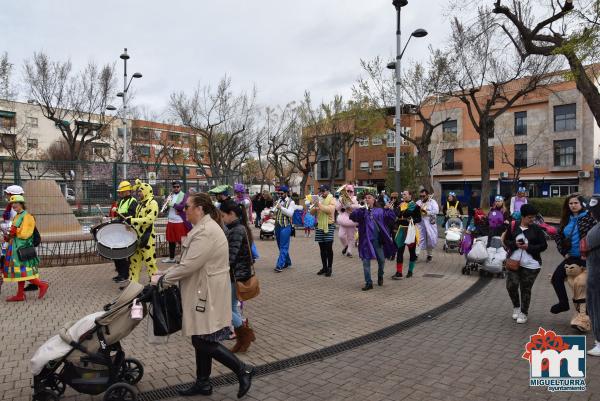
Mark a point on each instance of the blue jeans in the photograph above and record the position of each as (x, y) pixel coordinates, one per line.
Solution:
(282, 235)
(236, 315)
(380, 262)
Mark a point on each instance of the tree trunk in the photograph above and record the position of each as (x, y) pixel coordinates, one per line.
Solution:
(485, 171)
(78, 180)
(585, 85)
(303, 184)
(332, 174)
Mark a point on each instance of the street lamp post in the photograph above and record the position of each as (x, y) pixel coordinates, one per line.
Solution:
(124, 56)
(419, 33)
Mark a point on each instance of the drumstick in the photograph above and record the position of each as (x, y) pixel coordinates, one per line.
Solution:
(100, 209)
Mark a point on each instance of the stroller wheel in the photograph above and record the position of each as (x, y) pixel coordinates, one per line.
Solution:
(55, 384)
(120, 392)
(46, 395)
(131, 371)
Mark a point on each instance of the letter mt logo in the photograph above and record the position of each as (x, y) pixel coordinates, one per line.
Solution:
(556, 362)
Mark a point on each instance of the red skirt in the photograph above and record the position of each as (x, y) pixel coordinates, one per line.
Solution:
(175, 231)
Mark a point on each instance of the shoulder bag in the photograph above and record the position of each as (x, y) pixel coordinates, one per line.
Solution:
(167, 312)
(511, 264)
(249, 288)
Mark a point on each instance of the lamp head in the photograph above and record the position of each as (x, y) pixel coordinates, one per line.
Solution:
(419, 33)
(139, 74)
(399, 3)
(111, 107)
(120, 94)
(124, 55)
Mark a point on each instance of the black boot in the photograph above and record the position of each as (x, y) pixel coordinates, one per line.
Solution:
(224, 356)
(201, 387)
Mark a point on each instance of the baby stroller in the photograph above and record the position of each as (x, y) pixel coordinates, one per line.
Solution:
(494, 264)
(88, 357)
(453, 235)
(267, 228)
(474, 249)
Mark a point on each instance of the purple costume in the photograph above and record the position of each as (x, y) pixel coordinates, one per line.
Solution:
(366, 219)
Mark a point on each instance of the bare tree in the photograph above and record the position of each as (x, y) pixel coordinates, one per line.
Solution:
(420, 84)
(570, 29)
(489, 76)
(75, 102)
(222, 123)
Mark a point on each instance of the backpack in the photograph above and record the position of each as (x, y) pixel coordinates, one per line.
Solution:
(495, 218)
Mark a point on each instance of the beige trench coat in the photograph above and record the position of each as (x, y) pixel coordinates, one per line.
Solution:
(203, 276)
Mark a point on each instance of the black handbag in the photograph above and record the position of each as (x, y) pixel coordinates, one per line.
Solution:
(167, 312)
(27, 253)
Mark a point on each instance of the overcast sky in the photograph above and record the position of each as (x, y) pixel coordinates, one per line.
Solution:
(281, 46)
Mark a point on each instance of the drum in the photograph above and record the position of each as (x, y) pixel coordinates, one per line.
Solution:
(115, 240)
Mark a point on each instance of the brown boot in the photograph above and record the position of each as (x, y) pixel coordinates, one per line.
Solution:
(238, 339)
(246, 338)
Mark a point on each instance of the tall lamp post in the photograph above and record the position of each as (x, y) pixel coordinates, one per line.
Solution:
(124, 56)
(419, 33)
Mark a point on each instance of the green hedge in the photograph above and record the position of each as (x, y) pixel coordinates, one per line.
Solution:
(548, 207)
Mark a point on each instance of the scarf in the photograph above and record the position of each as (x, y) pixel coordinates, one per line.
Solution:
(323, 218)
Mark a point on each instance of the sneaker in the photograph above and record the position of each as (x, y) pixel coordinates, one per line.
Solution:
(409, 274)
(344, 250)
(322, 271)
(121, 280)
(522, 318)
(278, 269)
(115, 278)
(397, 276)
(596, 350)
(515, 314)
(367, 287)
(429, 258)
(169, 260)
(380, 281)
(349, 255)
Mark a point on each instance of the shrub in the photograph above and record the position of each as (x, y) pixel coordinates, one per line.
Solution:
(548, 207)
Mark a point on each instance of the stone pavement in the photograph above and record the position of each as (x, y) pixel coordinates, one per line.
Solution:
(297, 312)
(472, 352)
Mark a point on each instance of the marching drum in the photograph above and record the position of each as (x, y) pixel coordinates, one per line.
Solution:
(115, 240)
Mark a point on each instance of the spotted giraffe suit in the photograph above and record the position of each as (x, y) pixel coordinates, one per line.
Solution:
(145, 215)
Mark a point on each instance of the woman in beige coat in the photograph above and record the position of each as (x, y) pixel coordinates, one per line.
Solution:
(203, 276)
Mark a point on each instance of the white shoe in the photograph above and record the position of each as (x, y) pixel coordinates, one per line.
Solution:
(169, 260)
(522, 318)
(596, 350)
(516, 312)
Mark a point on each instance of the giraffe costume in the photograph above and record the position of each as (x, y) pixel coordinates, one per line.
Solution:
(143, 223)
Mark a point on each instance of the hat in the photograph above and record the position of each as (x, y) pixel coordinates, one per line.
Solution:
(175, 182)
(522, 189)
(239, 188)
(124, 186)
(221, 189)
(17, 198)
(499, 198)
(284, 188)
(14, 190)
(452, 194)
(528, 210)
(324, 187)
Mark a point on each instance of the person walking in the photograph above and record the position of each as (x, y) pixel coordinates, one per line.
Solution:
(347, 233)
(125, 208)
(143, 223)
(517, 201)
(428, 231)
(175, 227)
(406, 212)
(242, 198)
(203, 274)
(575, 223)
(239, 239)
(474, 204)
(452, 209)
(284, 211)
(498, 218)
(375, 241)
(7, 217)
(17, 267)
(525, 242)
(593, 275)
(258, 205)
(324, 210)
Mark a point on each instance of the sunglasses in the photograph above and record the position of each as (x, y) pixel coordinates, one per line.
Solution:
(176, 186)
(279, 193)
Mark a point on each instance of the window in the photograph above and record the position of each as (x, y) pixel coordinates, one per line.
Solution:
(174, 136)
(520, 123)
(7, 141)
(564, 117)
(32, 143)
(377, 165)
(7, 122)
(173, 170)
(141, 133)
(349, 164)
(32, 122)
(391, 161)
(144, 150)
(324, 169)
(199, 171)
(364, 166)
(564, 153)
(100, 150)
(491, 157)
(362, 142)
(521, 155)
(450, 130)
(406, 132)
(199, 155)
(377, 140)
(448, 163)
(121, 132)
(391, 138)
(187, 171)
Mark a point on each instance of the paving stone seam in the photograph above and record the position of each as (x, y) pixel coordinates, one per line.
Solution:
(321, 354)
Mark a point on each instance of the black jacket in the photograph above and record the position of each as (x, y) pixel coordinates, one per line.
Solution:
(240, 256)
(536, 240)
(403, 216)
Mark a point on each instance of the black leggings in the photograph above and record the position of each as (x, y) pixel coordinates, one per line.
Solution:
(172, 246)
(206, 351)
(559, 276)
(326, 249)
(412, 251)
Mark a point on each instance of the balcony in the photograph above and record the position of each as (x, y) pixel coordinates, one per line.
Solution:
(451, 166)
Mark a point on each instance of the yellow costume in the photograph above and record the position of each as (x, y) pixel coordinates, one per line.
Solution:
(143, 223)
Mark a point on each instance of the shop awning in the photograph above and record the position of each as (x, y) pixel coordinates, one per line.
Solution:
(7, 114)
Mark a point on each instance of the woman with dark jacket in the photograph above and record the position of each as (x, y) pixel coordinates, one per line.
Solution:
(525, 242)
(575, 223)
(406, 211)
(239, 238)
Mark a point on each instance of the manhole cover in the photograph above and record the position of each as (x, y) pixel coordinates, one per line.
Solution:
(434, 275)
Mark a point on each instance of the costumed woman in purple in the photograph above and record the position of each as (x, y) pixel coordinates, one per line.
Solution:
(516, 202)
(241, 198)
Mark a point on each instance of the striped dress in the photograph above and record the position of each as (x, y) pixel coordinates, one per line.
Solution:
(322, 236)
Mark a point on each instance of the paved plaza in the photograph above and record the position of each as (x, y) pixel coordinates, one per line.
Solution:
(470, 352)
